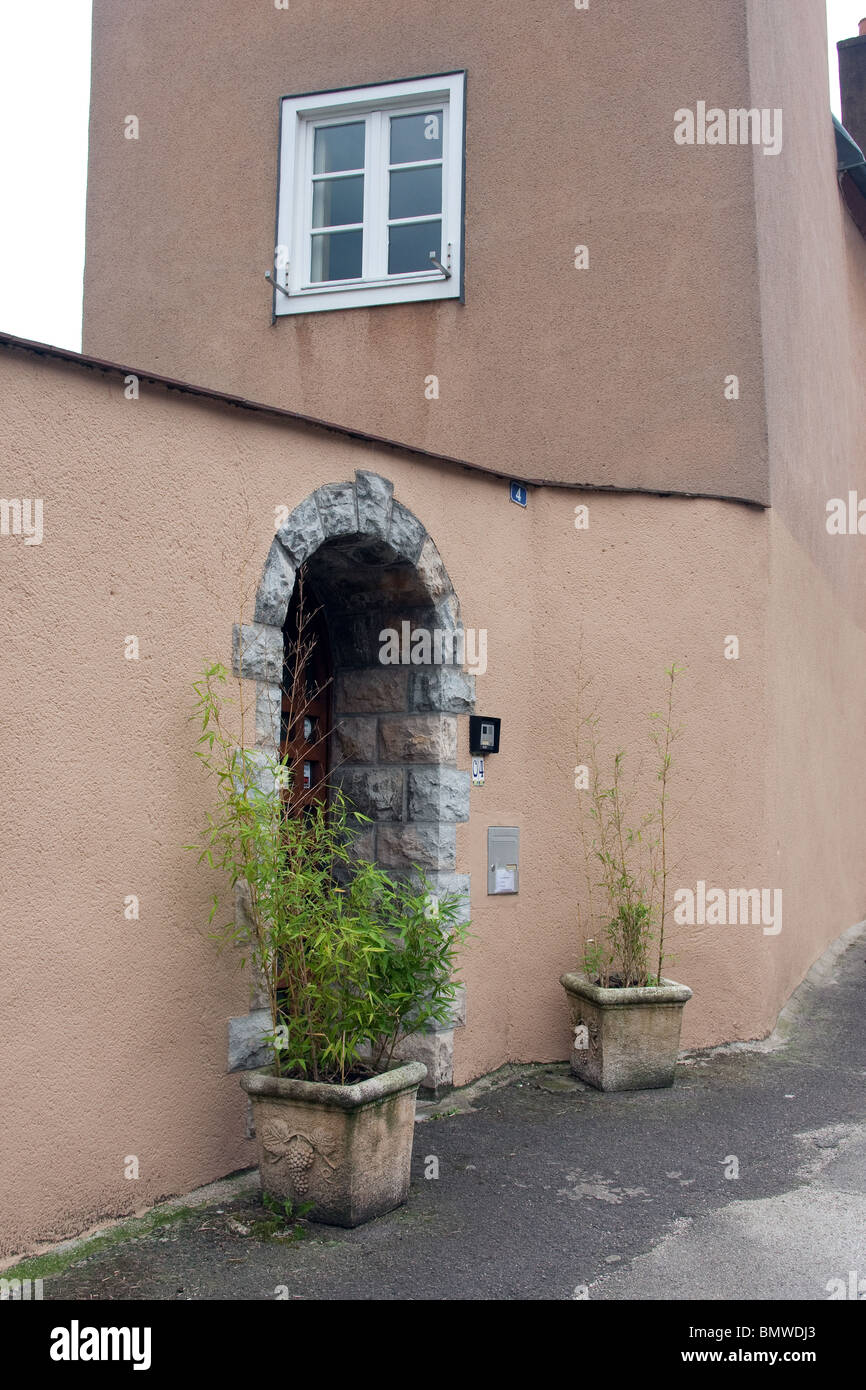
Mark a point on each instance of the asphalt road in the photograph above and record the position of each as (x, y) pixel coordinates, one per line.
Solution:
(547, 1190)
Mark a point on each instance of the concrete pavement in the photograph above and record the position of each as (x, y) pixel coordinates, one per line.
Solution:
(746, 1180)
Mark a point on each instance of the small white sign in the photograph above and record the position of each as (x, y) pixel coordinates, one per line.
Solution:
(505, 880)
(478, 772)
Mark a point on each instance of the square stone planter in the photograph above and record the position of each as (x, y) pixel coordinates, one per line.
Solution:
(346, 1149)
(632, 1035)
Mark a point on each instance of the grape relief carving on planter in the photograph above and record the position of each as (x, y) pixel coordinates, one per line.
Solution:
(299, 1152)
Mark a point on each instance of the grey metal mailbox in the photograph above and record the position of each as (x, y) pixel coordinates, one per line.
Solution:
(503, 859)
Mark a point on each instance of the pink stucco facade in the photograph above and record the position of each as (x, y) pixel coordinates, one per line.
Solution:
(160, 511)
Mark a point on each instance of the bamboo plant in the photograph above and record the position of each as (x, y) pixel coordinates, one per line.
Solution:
(351, 960)
(625, 855)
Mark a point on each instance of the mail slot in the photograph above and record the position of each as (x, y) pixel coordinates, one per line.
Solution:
(503, 859)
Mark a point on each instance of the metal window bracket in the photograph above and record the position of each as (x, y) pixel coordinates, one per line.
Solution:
(276, 284)
(446, 271)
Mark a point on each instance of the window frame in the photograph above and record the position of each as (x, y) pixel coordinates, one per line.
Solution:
(375, 104)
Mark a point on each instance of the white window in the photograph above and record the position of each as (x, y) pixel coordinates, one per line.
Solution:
(371, 196)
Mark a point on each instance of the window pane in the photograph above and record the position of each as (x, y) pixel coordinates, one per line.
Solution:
(339, 147)
(416, 191)
(337, 256)
(416, 137)
(338, 201)
(409, 247)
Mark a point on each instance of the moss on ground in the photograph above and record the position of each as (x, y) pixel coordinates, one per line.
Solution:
(57, 1261)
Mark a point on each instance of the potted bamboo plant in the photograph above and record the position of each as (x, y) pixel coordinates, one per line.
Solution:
(626, 1014)
(350, 961)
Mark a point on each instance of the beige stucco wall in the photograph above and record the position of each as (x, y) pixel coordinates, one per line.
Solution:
(115, 1030)
(817, 758)
(812, 262)
(704, 262)
(545, 371)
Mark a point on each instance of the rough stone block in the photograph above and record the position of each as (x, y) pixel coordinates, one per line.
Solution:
(406, 533)
(258, 989)
(448, 616)
(302, 533)
(446, 645)
(450, 882)
(275, 590)
(432, 573)
(442, 883)
(257, 652)
(438, 794)
(361, 846)
(375, 792)
(355, 639)
(458, 1007)
(430, 846)
(409, 636)
(436, 1051)
(262, 768)
(268, 715)
(336, 503)
(445, 689)
(455, 1016)
(418, 738)
(247, 1048)
(355, 740)
(374, 496)
(243, 920)
(377, 689)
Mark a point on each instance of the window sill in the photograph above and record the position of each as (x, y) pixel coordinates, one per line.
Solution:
(362, 296)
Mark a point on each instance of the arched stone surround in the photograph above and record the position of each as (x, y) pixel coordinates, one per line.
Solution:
(372, 566)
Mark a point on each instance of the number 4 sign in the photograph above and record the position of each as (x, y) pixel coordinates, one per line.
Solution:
(478, 772)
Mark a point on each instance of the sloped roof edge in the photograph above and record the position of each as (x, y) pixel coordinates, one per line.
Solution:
(206, 393)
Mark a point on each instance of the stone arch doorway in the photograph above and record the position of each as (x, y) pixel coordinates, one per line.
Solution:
(374, 570)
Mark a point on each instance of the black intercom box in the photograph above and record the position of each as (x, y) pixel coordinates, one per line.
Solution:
(483, 734)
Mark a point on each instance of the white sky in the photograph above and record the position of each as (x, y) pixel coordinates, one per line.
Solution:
(44, 95)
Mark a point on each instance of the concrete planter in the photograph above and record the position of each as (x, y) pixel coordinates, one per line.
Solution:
(632, 1035)
(346, 1149)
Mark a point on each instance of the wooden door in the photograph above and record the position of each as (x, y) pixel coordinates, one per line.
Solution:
(307, 700)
